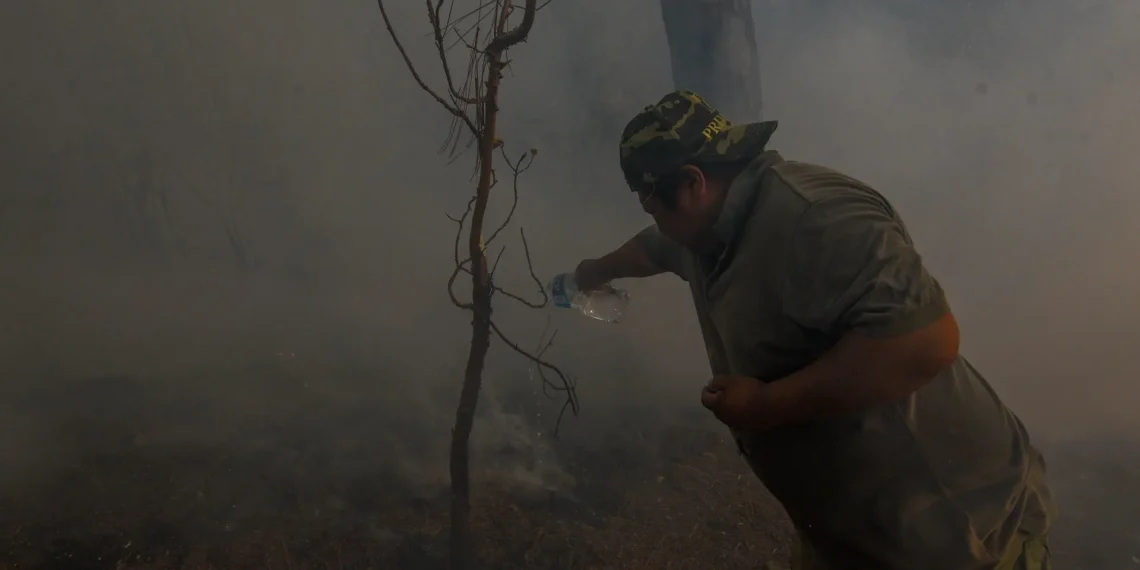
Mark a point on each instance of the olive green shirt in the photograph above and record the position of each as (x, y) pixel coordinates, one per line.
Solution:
(941, 480)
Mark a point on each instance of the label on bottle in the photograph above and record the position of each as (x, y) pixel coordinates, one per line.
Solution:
(558, 294)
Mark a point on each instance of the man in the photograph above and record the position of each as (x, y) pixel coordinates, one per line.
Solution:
(834, 352)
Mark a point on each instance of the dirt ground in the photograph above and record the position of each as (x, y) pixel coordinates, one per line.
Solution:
(274, 492)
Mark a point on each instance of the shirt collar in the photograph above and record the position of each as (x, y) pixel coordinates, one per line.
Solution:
(741, 197)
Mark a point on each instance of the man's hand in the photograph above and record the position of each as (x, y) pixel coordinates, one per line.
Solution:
(858, 373)
(629, 260)
(741, 402)
(590, 275)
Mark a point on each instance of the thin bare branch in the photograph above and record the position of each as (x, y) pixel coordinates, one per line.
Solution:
(451, 290)
(438, 31)
(463, 267)
(517, 168)
(566, 384)
(544, 344)
(459, 231)
(505, 40)
(459, 222)
(458, 113)
(481, 11)
(470, 90)
(530, 268)
(495, 265)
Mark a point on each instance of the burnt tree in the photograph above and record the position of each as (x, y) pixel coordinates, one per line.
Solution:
(712, 49)
(480, 37)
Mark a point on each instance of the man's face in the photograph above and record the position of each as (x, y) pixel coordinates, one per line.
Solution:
(689, 220)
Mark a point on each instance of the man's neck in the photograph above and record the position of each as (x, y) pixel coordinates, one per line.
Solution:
(710, 242)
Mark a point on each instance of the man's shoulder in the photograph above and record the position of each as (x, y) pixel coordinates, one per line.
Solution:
(814, 183)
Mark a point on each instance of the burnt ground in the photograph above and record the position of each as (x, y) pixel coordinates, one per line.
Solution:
(306, 484)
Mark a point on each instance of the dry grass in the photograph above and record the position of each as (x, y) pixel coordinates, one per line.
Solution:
(290, 489)
(298, 487)
(188, 512)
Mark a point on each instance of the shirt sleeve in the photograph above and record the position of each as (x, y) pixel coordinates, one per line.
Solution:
(852, 266)
(662, 251)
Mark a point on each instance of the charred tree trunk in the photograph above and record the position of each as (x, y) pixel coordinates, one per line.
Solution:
(478, 91)
(461, 552)
(712, 47)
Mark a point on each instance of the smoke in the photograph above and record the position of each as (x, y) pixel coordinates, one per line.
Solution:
(1006, 156)
(999, 131)
(240, 205)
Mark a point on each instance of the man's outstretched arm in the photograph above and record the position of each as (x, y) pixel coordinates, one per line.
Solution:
(646, 254)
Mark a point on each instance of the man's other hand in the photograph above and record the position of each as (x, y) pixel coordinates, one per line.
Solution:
(740, 402)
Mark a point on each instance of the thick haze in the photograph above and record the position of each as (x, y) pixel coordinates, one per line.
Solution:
(141, 140)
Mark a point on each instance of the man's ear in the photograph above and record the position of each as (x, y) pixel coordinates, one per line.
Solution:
(694, 180)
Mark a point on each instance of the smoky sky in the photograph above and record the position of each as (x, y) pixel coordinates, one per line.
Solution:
(189, 187)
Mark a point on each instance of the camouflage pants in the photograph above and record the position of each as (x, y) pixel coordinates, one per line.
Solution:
(1026, 552)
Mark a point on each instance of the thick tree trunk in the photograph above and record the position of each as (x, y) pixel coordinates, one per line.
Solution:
(712, 47)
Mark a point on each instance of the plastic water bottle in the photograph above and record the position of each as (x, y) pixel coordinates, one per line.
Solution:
(607, 303)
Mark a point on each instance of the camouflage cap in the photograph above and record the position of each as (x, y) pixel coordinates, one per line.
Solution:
(684, 128)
